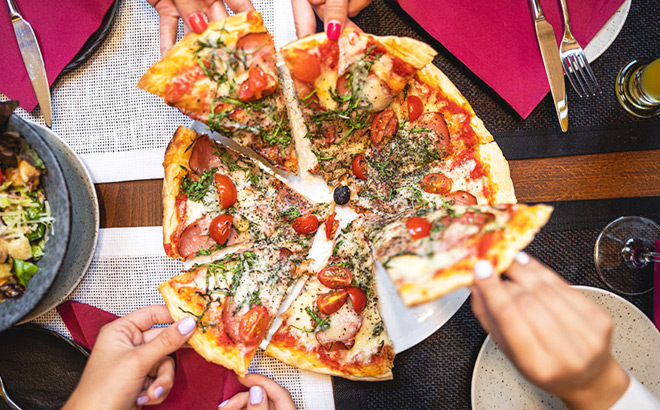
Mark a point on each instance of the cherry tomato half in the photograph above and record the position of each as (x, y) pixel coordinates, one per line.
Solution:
(436, 183)
(259, 84)
(384, 126)
(306, 224)
(306, 66)
(415, 107)
(358, 298)
(253, 325)
(358, 167)
(335, 277)
(331, 225)
(220, 228)
(226, 190)
(418, 227)
(332, 301)
(462, 198)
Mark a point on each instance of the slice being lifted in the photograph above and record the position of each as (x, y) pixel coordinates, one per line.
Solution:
(227, 77)
(430, 253)
(235, 300)
(334, 326)
(214, 197)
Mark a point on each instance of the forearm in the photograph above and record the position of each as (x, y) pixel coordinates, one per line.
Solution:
(602, 392)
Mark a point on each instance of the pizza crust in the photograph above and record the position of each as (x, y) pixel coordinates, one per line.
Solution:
(499, 174)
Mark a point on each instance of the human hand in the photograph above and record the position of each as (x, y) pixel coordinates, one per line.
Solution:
(129, 365)
(264, 394)
(334, 14)
(556, 337)
(192, 12)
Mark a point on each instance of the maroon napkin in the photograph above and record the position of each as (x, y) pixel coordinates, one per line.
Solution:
(198, 384)
(497, 40)
(61, 27)
(656, 288)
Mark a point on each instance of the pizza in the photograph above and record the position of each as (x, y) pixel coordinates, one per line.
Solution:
(235, 300)
(334, 326)
(214, 198)
(227, 78)
(429, 253)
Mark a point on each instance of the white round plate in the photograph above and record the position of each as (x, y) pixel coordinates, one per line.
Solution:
(496, 384)
(605, 37)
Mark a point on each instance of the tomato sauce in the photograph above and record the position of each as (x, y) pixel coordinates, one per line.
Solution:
(181, 85)
(181, 209)
(329, 54)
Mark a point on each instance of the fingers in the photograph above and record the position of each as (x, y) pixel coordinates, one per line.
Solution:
(192, 14)
(216, 10)
(334, 17)
(239, 6)
(276, 393)
(148, 316)
(159, 389)
(356, 6)
(303, 15)
(168, 341)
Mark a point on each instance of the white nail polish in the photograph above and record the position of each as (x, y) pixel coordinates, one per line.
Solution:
(483, 269)
(224, 403)
(522, 258)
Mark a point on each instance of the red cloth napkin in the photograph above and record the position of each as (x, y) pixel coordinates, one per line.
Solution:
(61, 27)
(656, 288)
(497, 40)
(198, 384)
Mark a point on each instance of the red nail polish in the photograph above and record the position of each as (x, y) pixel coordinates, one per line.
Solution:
(333, 30)
(197, 22)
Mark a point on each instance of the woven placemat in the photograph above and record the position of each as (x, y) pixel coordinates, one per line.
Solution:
(437, 373)
(596, 125)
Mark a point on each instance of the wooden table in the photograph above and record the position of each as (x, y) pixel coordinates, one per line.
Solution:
(598, 176)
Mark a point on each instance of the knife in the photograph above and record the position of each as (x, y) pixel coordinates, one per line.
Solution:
(552, 62)
(34, 62)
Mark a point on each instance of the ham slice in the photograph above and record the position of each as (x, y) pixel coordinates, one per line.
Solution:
(203, 156)
(344, 325)
(195, 237)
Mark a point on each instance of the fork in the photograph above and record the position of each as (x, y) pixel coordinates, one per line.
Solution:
(5, 396)
(575, 63)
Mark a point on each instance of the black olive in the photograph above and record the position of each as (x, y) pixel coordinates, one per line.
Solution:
(342, 195)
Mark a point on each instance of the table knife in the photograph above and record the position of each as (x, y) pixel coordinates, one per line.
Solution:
(552, 62)
(34, 62)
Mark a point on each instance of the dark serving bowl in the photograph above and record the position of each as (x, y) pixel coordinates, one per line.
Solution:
(57, 194)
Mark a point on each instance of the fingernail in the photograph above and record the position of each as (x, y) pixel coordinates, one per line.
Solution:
(197, 22)
(483, 269)
(141, 400)
(224, 403)
(187, 325)
(522, 258)
(158, 391)
(333, 30)
(256, 395)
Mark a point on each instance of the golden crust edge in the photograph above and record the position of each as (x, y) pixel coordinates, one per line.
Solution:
(513, 242)
(199, 342)
(499, 174)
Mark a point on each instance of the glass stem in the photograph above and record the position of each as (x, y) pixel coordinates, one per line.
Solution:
(645, 256)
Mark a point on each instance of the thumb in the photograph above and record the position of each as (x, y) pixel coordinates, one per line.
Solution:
(168, 341)
(334, 17)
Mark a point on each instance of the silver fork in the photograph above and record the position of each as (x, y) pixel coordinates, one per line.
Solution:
(575, 63)
(4, 395)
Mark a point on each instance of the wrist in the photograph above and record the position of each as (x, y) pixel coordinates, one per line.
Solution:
(602, 392)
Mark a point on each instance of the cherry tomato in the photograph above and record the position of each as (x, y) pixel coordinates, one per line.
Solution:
(253, 325)
(306, 66)
(335, 277)
(226, 190)
(415, 107)
(436, 183)
(220, 228)
(329, 53)
(462, 198)
(358, 167)
(384, 125)
(332, 301)
(306, 224)
(342, 85)
(418, 227)
(358, 298)
(331, 225)
(1, 176)
(259, 84)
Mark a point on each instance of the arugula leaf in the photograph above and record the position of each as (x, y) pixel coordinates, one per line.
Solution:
(196, 190)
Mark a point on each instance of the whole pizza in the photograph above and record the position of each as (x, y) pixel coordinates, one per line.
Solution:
(376, 122)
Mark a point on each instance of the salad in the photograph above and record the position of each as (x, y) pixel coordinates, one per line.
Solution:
(25, 217)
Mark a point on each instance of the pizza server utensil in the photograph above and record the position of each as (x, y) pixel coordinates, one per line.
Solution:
(552, 62)
(33, 60)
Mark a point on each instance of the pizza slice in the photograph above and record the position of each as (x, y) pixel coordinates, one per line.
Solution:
(214, 198)
(235, 300)
(340, 84)
(427, 254)
(334, 326)
(227, 78)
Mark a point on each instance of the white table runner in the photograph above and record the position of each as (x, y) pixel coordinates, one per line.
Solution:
(119, 131)
(127, 268)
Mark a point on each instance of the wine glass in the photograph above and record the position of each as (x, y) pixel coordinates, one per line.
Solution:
(638, 87)
(624, 254)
